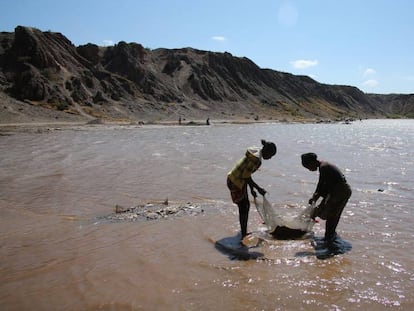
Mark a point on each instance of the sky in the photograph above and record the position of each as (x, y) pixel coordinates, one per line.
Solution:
(368, 44)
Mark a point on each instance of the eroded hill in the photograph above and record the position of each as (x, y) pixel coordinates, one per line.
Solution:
(43, 75)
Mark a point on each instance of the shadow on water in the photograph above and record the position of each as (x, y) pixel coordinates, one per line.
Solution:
(324, 250)
(231, 247)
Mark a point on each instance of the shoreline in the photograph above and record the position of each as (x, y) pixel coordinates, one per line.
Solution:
(45, 126)
(38, 127)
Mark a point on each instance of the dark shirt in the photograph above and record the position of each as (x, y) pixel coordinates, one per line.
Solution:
(329, 176)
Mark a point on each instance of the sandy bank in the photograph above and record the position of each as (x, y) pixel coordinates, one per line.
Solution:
(42, 127)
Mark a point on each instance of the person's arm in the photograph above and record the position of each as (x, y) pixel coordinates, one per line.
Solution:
(314, 198)
(254, 194)
(316, 195)
(253, 185)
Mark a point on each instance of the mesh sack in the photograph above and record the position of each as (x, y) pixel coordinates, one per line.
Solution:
(284, 225)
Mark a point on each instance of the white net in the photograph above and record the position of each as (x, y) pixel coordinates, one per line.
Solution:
(282, 223)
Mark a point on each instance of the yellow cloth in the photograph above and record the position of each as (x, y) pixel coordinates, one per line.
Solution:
(245, 167)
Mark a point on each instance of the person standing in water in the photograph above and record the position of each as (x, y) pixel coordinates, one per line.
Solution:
(334, 190)
(241, 176)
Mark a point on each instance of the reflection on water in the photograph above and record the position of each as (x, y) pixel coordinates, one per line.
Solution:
(57, 255)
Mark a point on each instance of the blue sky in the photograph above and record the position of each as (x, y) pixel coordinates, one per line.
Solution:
(364, 43)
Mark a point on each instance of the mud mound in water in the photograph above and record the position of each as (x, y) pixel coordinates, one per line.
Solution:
(152, 211)
(286, 233)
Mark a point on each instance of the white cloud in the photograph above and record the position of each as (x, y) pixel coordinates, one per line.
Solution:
(218, 38)
(108, 42)
(369, 71)
(303, 63)
(371, 83)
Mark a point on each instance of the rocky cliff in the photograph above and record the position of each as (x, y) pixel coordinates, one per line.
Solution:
(43, 72)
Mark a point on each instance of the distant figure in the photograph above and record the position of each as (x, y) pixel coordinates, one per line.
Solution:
(208, 121)
(334, 190)
(179, 120)
(240, 176)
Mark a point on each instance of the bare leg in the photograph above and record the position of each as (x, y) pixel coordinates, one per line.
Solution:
(244, 207)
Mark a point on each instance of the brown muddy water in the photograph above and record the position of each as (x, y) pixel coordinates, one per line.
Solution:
(58, 251)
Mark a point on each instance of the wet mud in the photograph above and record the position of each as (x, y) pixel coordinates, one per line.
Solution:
(153, 211)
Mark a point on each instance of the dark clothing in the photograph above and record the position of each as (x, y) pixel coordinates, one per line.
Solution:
(237, 194)
(334, 189)
(329, 176)
(332, 206)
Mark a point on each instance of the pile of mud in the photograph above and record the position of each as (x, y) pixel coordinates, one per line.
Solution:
(154, 211)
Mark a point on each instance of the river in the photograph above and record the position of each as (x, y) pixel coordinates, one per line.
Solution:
(57, 252)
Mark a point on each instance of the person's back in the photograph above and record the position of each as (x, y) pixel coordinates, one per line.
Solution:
(245, 167)
(329, 176)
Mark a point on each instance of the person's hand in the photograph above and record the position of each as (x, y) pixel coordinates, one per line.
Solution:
(254, 194)
(314, 214)
(261, 191)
